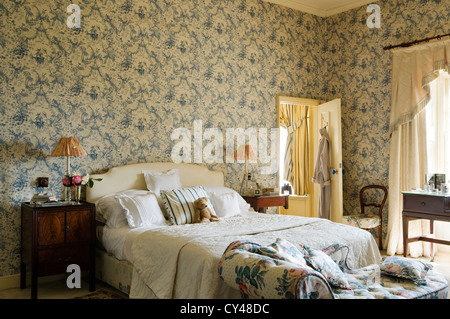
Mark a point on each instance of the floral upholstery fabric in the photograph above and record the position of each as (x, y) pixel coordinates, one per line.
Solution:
(264, 272)
(408, 268)
(370, 283)
(323, 263)
(365, 221)
(278, 271)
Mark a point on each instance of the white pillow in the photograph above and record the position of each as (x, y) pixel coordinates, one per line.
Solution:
(141, 210)
(158, 181)
(225, 205)
(161, 181)
(244, 207)
(109, 211)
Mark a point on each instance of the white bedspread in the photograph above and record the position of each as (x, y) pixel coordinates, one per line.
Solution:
(181, 261)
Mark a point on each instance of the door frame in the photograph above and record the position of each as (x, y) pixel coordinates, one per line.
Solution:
(314, 135)
(313, 196)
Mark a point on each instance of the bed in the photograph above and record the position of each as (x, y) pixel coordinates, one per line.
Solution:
(147, 249)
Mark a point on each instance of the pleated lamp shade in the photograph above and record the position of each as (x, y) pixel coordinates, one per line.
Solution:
(68, 146)
(244, 152)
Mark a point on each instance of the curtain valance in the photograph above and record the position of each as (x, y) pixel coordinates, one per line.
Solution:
(413, 70)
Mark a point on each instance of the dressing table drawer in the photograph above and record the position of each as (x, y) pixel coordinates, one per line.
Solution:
(424, 203)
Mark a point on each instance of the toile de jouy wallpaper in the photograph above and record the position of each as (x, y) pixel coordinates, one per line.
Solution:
(137, 70)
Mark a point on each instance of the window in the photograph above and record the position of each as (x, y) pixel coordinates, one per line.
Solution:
(294, 147)
(438, 138)
(438, 126)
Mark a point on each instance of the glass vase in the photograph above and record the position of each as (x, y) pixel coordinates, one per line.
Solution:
(77, 194)
(67, 194)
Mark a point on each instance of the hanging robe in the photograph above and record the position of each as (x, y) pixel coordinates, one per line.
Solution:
(322, 175)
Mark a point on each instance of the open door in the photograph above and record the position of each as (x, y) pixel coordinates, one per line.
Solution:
(320, 114)
(329, 115)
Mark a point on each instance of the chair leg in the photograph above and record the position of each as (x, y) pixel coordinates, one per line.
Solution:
(380, 237)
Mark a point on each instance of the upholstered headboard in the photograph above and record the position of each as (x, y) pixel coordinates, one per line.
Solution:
(121, 178)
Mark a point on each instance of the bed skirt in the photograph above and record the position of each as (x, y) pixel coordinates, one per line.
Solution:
(112, 271)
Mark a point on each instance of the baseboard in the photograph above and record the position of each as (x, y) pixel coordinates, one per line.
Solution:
(444, 249)
(8, 282)
(13, 281)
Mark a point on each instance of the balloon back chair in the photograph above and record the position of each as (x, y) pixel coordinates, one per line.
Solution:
(365, 220)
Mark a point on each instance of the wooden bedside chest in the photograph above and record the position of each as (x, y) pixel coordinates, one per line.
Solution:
(260, 203)
(54, 237)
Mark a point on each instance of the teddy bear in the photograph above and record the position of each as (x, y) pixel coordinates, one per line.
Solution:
(202, 212)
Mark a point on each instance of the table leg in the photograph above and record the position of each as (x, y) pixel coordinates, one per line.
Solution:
(34, 283)
(431, 243)
(23, 275)
(405, 235)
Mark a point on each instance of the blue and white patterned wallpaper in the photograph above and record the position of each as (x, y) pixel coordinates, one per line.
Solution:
(359, 71)
(136, 70)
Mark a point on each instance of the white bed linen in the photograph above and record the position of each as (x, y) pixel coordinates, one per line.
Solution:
(115, 240)
(181, 261)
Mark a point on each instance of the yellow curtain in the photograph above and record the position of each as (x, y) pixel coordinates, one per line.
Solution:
(295, 118)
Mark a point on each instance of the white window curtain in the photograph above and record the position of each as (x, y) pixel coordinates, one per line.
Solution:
(438, 139)
(438, 126)
(414, 68)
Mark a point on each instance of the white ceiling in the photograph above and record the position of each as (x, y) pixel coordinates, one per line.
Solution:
(322, 8)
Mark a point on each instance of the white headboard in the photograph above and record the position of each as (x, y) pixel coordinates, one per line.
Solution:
(121, 178)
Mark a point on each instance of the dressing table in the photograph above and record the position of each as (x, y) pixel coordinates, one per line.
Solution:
(424, 205)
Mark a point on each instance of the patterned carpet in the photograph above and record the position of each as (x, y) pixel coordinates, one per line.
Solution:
(102, 294)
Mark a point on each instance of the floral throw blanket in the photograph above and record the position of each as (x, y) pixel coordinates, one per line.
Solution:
(285, 270)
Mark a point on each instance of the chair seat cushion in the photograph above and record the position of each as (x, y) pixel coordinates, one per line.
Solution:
(362, 221)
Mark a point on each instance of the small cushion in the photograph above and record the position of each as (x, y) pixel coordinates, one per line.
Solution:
(362, 221)
(323, 263)
(283, 250)
(407, 268)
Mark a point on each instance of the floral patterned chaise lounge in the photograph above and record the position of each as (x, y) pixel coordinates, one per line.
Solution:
(285, 270)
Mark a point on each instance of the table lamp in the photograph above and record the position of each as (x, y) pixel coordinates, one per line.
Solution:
(68, 146)
(244, 152)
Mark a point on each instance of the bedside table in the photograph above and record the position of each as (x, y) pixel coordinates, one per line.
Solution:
(54, 237)
(260, 203)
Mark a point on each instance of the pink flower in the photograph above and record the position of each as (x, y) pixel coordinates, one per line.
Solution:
(66, 181)
(76, 179)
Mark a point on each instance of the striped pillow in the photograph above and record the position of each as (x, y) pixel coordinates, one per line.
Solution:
(179, 203)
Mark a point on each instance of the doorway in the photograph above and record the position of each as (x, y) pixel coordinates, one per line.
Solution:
(299, 121)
